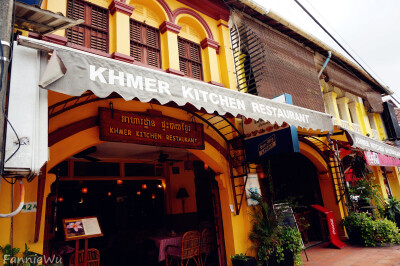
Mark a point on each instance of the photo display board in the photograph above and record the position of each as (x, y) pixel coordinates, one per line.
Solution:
(80, 228)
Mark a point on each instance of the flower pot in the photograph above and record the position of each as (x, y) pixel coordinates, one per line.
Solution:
(31, 2)
(288, 261)
(249, 261)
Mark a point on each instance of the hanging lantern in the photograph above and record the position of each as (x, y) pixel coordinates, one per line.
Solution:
(120, 182)
(138, 193)
(144, 186)
(84, 190)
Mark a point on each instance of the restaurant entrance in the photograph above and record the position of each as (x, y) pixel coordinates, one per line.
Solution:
(144, 202)
(295, 181)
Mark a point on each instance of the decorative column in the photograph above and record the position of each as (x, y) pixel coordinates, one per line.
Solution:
(331, 104)
(379, 181)
(210, 65)
(394, 181)
(344, 109)
(119, 40)
(357, 116)
(227, 66)
(169, 47)
(379, 125)
(367, 125)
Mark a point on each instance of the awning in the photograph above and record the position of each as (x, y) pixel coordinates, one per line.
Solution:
(369, 144)
(103, 76)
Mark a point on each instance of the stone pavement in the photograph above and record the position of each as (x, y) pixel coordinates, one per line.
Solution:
(353, 256)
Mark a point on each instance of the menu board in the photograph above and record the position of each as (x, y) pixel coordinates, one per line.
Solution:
(79, 228)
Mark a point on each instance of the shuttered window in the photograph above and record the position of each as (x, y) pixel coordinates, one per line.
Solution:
(94, 32)
(190, 59)
(145, 44)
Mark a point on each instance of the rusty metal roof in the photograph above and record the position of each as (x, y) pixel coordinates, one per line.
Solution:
(34, 19)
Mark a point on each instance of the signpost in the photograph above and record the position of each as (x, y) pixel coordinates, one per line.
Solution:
(286, 218)
(81, 228)
(149, 129)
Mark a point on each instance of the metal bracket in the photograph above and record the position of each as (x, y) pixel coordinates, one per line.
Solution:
(112, 109)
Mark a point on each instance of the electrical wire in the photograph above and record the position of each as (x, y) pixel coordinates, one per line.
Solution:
(336, 41)
(343, 40)
(391, 95)
(4, 94)
(21, 202)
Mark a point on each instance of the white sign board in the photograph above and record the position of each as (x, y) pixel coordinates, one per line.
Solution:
(252, 185)
(29, 207)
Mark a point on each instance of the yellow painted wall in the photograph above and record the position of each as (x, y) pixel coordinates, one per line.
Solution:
(184, 179)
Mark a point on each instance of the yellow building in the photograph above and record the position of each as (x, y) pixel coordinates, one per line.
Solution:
(143, 107)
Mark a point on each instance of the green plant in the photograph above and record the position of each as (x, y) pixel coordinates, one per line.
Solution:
(30, 258)
(291, 240)
(362, 191)
(240, 256)
(271, 239)
(9, 253)
(264, 231)
(391, 210)
(368, 232)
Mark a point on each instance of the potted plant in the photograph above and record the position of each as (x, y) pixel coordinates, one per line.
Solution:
(9, 253)
(243, 260)
(275, 244)
(31, 258)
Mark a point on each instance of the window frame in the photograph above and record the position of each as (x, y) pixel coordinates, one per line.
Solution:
(143, 43)
(188, 59)
(87, 28)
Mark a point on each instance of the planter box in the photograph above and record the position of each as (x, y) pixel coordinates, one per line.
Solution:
(31, 2)
(251, 261)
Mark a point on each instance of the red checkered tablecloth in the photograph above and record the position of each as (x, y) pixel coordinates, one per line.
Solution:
(163, 241)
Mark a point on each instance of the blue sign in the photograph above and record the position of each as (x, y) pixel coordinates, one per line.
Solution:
(277, 142)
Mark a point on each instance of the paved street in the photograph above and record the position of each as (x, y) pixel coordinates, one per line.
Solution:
(353, 255)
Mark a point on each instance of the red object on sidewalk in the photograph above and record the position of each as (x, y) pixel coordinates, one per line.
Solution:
(334, 237)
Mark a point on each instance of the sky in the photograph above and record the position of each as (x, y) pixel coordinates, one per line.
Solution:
(368, 29)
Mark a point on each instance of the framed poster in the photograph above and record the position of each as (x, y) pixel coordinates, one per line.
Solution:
(80, 228)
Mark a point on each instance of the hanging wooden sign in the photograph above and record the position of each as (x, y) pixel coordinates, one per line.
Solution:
(149, 129)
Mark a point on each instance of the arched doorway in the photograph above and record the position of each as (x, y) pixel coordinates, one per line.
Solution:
(70, 145)
(293, 179)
